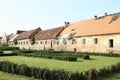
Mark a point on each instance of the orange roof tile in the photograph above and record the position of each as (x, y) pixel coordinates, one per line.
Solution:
(105, 25)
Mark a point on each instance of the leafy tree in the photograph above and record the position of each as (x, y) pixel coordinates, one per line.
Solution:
(32, 40)
(15, 41)
(3, 45)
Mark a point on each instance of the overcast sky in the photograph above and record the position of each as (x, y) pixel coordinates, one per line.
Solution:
(30, 14)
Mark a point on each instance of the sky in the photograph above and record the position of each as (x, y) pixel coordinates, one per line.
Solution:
(31, 14)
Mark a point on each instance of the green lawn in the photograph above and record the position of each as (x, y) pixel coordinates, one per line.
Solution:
(81, 65)
(7, 76)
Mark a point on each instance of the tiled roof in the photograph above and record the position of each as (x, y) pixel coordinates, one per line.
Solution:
(14, 37)
(102, 25)
(48, 34)
(28, 34)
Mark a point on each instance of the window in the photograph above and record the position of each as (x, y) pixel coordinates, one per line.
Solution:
(36, 42)
(45, 42)
(57, 42)
(41, 42)
(26, 42)
(74, 41)
(95, 40)
(64, 42)
(111, 43)
(83, 41)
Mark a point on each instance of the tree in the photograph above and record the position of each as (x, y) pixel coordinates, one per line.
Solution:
(3, 45)
(15, 41)
(32, 40)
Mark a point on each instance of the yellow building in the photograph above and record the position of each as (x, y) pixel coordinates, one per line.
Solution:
(98, 34)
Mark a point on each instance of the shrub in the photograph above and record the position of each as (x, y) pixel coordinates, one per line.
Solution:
(86, 57)
(1, 51)
(26, 51)
(46, 74)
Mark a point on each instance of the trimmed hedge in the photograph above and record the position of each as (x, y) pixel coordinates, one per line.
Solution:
(46, 74)
(101, 54)
(13, 54)
(10, 48)
(86, 57)
(56, 56)
(49, 54)
(1, 51)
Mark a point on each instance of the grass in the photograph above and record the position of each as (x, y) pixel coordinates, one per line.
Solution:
(96, 62)
(7, 76)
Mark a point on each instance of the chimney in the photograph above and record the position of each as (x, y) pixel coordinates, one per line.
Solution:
(95, 16)
(105, 14)
(67, 24)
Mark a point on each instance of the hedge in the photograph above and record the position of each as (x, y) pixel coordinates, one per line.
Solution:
(10, 48)
(101, 54)
(13, 54)
(59, 56)
(46, 74)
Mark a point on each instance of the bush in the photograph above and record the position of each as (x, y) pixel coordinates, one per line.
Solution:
(1, 51)
(86, 57)
(46, 74)
(10, 48)
(26, 51)
(102, 54)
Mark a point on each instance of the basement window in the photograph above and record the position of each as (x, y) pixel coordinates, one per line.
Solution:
(95, 40)
(111, 43)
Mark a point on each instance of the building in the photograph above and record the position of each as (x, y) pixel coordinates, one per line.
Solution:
(98, 34)
(23, 39)
(11, 41)
(48, 39)
(13, 38)
(4, 38)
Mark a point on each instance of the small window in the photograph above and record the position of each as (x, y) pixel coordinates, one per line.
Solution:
(111, 43)
(26, 42)
(95, 40)
(83, 41)
(36, 42)
(45, 42)
(74, 41)
(57, 42)
(64, 42)
(41, 42)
